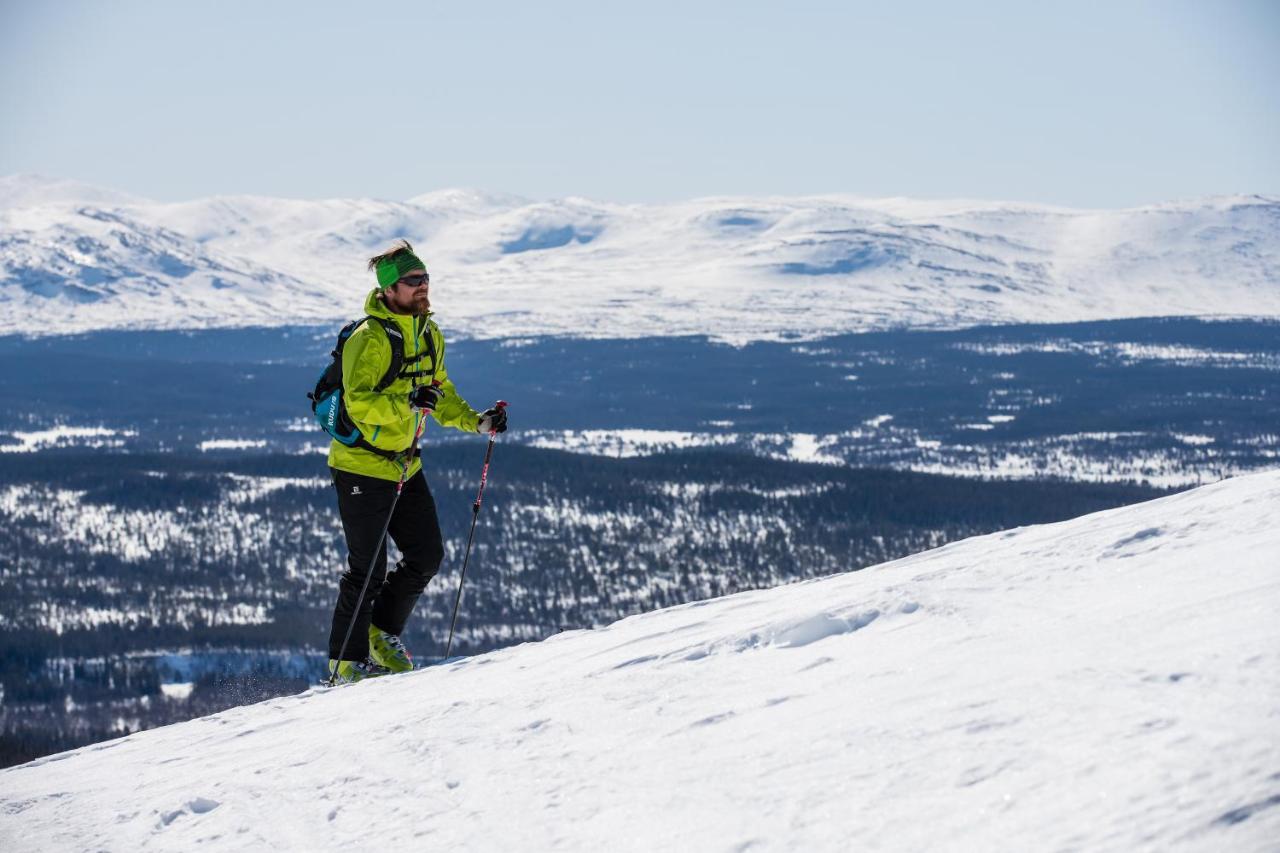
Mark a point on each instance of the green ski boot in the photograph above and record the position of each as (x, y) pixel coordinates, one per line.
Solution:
(387, 650)
(351, 671)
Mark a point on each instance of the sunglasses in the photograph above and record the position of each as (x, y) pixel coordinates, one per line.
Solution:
(413, 281)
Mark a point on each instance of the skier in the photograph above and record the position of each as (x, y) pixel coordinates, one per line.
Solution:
(366, 478)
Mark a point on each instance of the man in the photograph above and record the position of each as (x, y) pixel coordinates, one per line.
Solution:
(366, 479)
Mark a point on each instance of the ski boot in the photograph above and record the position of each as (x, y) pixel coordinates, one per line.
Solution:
(387, 650)
(351, 671)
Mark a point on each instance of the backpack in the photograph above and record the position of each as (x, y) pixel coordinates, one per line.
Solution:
(326, 399)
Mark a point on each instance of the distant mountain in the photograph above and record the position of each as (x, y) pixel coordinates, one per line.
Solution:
(38, 190)
(737, 269)
(1105, 683)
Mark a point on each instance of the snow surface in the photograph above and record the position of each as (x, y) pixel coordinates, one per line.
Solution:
(736, 269)
(1106, 683)
(1096, 457)
(65, 436)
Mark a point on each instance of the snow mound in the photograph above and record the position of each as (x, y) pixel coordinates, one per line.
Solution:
(1106, 683)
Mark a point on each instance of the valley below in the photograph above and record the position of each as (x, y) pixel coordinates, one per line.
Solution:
(171, 546)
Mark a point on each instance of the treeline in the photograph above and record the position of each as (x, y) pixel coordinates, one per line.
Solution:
(93, 711)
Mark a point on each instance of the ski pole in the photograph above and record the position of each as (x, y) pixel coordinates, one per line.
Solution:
(475, 514)
(404, 473)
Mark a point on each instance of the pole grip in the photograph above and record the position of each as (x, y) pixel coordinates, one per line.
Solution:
(435, 383)
(501, 404)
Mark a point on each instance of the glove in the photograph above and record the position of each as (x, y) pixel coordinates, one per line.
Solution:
(425, 398)
(493, 420)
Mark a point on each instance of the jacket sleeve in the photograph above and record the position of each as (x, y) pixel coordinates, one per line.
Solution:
(364, 359)
(452, 411)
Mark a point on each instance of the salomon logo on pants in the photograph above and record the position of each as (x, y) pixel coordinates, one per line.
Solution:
(415, 530)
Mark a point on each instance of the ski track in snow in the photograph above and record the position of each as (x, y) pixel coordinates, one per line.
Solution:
(1106, 683)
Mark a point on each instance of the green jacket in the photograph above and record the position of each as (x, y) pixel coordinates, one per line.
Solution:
(384, 418)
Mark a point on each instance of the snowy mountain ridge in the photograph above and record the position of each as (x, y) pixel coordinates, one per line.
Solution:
(1105, 683)
(737, 269)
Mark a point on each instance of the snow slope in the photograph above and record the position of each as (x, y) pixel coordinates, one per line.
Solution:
(737, 269)
(1107, 683)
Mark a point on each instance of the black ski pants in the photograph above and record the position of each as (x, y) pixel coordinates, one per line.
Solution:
(363, 503)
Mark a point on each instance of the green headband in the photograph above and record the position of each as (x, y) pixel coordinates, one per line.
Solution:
(391, 270)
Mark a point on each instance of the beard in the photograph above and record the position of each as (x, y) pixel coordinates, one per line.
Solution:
(415, 304)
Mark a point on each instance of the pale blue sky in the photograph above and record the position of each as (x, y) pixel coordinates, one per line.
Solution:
(1087, 104)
